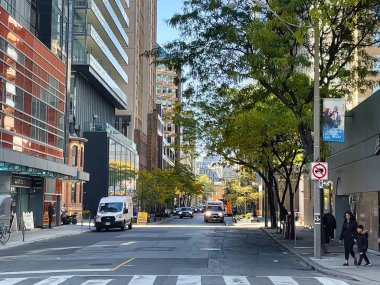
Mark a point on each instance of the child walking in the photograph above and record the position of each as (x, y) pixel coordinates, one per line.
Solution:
(362, 240)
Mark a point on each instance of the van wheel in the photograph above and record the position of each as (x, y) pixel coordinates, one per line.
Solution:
(123, 227)
(98, 229)
(130, 225)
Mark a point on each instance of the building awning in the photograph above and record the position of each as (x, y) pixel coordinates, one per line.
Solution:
(25, 164)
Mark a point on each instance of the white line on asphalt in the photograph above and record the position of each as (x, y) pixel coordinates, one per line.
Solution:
(329, 281)
(97, 282)
(236, 280)
(210, 249)
(128, 243)
(54, 271)
(142, 280)
(11, 281)
(189, 280)
(282, 280)
(53, 280)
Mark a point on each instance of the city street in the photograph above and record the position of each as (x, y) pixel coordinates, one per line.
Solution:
(177, 251)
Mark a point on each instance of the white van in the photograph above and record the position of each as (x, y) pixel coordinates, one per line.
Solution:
(114, 212)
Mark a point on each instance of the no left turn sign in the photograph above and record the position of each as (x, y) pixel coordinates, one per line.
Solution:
(319, 171)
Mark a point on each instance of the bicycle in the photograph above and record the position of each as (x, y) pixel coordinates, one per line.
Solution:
(4, 234)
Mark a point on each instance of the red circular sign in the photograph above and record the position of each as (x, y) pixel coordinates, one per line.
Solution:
(319, 171)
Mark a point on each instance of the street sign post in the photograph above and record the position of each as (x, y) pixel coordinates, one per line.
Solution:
(319, 171)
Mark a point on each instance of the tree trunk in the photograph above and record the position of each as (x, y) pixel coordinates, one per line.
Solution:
(292, 216)
(272, 208)
(306, 138)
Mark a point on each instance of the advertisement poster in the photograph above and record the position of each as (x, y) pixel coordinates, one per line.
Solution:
(333, 120)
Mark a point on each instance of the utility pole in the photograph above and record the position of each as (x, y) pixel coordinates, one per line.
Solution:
(317, 133)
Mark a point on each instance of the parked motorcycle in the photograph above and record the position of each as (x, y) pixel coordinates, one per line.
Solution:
(67, 219)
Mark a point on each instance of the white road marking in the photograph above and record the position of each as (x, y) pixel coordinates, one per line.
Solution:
(282, 280)
(189, 280)
(209, 248)
(128, 243)
(54, 271)
(236, 280)
(11, 281)
(142, 280)
(53, 280)
(97, 282)
(329, 281)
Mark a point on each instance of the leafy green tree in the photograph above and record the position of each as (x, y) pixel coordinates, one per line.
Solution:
(207, 186)
(270, 43)
(186, 183)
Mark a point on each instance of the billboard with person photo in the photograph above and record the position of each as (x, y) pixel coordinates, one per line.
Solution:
(333, 120)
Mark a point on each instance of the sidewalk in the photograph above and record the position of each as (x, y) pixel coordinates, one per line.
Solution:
(331, 263)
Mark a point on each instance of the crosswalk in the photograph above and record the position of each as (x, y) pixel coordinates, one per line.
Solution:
(171, 280)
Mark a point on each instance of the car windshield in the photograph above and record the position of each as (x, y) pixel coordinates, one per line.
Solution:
(185, 209)
(110, 207)
(214, 208)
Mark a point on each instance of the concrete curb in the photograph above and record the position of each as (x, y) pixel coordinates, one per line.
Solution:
(19, 243)
(313, 265)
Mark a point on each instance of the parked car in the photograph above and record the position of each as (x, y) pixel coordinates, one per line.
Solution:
(176, 211)
(214, 213)
(186, 212)
(194, 209)
(201, 209)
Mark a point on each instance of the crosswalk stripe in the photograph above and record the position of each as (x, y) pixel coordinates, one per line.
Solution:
(189, 280)
(97, 282)
(53, 280)
(11, 281)
(236, 280)
(142, 280)
(329, 281)
(282, 280)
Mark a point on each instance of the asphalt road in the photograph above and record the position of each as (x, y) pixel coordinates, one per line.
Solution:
(179, 251)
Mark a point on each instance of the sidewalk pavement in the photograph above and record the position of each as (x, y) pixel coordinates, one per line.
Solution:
(35, 235)
(330, 263)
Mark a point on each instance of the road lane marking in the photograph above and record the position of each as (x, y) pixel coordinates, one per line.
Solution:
(97, 282)
(11, 281)
(121, 264)
(142, 280)
(282, 280)
(189, 280)
(128, 243)
(329, 281)
(236, 280)
(53, 280)
(54, 271)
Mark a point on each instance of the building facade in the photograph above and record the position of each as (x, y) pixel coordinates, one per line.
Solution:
(32, 106)
(354, 167)
(135, 121)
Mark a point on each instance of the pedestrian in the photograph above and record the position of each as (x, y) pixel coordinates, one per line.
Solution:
(348, 235)
(50, 213)
(329, 225)
(362, 241)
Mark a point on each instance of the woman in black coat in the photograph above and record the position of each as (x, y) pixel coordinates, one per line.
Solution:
(348, 235)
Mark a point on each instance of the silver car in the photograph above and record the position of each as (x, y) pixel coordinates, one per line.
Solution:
(214, 214)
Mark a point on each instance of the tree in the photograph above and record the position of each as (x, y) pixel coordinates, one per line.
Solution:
(271, 43)
(186, 184)
(207, 186)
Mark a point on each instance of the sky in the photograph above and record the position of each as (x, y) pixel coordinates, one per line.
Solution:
(166, 9)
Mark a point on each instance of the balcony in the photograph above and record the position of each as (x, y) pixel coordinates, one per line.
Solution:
(101, 80)
(122, 11)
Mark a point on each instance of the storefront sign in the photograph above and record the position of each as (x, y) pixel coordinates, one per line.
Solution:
(19, 181)
(333, 120)
(27, 219)
(317, 218)
(142, 218)
(377, 146)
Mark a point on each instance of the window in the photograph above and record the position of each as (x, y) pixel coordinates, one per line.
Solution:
(376, 64)
(169, 127)
(82, 156)
(73, 192)
(164, 90)
(80, 192)
(158, 89)
(74, 154)
(169, 90)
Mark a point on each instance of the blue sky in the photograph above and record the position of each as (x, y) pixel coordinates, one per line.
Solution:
(166, 9)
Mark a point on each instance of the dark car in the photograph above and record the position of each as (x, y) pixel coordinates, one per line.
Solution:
(214, 213)
(186, 212)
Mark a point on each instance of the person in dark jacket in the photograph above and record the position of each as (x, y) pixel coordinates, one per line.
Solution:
(348, 235)
(329, 225)
(50, 213)
(362, 241)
